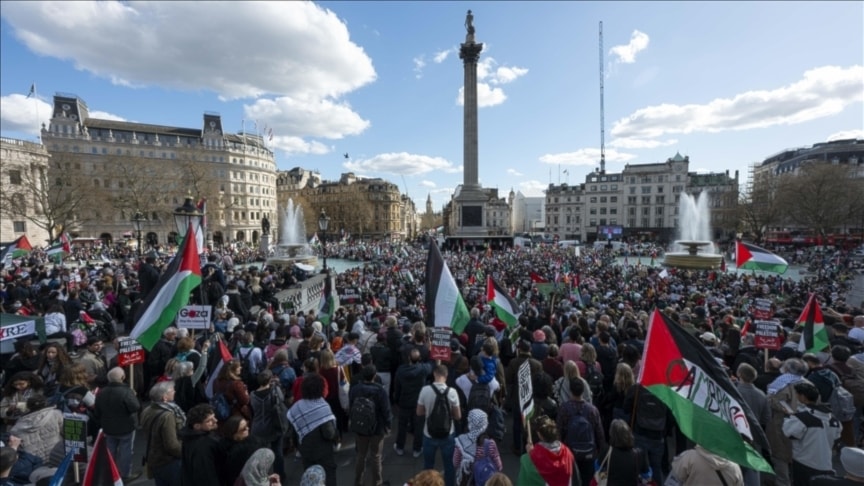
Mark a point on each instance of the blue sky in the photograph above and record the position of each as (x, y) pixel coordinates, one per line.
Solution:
(727, 83)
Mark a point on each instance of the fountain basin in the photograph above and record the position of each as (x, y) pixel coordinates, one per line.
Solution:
(693, 258)
(290, 254)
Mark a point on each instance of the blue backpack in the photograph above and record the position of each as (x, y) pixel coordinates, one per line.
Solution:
(221, 407)
(483, 468)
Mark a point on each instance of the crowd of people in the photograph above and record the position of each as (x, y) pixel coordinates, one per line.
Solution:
(298, 385)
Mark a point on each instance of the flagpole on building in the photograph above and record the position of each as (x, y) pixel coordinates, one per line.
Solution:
(35, 110)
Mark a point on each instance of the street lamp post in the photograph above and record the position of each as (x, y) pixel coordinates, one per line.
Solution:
(187, 214)
(138, 220)
(323, 223)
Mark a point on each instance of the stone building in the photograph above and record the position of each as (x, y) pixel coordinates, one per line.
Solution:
(136, 167)
(361, 207)
(641, 202)
(23, 176)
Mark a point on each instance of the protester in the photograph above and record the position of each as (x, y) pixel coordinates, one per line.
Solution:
(547, 460)
(315, 426)
(370, 444)
(812, 430)
(202, 456)
(698, 467)
(474, 445)
(625, 464)
(427, 405)
(161, 423)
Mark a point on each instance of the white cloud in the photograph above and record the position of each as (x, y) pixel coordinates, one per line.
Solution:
(822, 92)
(514, 172)
(532, 188)
(19, 114)
(586, 156)
(487, 75)
(296, 145)
(442, 56)
(419, 64)
(846, 135)
(401, 163)
(428, 184)
(635, 143)
(298, 53)
(701, 170)
(627, 53)
(442, 190)
(104, 115)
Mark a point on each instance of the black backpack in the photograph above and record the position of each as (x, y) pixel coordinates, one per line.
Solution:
(247, 374)
(595, 381)
(650, 412)
(580, 434)
(363, 418)
(440, 421)
(480, 397)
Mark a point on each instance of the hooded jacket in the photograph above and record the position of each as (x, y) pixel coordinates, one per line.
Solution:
(202, 456)
(700, 467)
(39, 431)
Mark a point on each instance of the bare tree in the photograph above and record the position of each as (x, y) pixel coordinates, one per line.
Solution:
(56, 203)
(757, 209)
(822, 197)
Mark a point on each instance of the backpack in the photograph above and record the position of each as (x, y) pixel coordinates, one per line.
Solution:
(650, 412)
(221, 406)
(480, 397)
(280, 410)
(483, 468)
(362, 417)
(595, 381)
(842, 404)
(439, 421)
(580, 435)
(247, 374)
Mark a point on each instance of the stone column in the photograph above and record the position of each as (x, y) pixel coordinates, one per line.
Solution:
(469, 52)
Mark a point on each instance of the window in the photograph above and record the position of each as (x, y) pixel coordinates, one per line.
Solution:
(602, 210)
(613, 210)
(94, 150)
(603, 187)
(613, 221)
(661, 199)
(660, 189)
(646, 189)
(632, 189)
(645, 222)
(613, 187)
(593, 188)
(603, 222)
(592, 222)
(613, 199)
(633, 181)
(593, 199)
(603, 199)
(632, 211)
(19, 226)
(15, 177)
(646, 212)
(631, 200)
(658, 222)
(646, 199)
(631, 222)
(593, 211)
(660, 211)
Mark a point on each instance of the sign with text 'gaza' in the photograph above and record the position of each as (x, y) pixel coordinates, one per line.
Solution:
(194, 317)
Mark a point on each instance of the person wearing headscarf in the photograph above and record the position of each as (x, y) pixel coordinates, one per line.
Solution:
(473, 445)
(314, 476)
(783, 402)
(257, 470)
(161, 423)
(315, 425)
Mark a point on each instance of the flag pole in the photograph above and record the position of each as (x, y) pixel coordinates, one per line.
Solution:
(36, 109)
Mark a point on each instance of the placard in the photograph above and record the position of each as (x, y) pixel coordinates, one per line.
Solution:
(762, 309)
(440, 345)
(194, 317)
(526, 391)
(75, 436)
(391, 302)
(16, 331)
(130, 352)
(766, 335)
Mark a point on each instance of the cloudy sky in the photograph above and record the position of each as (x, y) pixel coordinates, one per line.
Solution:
(727, 83)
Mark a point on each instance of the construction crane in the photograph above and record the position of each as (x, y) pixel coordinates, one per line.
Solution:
(602, 112)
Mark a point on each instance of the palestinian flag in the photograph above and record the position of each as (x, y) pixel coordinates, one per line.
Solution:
(101, 470)
(536, 278)
(56, 252)
(171, 293)
(16, 249)
(680, 372)
(505, 307)
(752, 257)
(543, 467)
(444, 304)
(328, 303)
(814, 336)
(225, 354)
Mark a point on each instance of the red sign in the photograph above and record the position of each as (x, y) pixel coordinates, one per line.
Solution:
(767, 335)
(440, 348)
(130, 352)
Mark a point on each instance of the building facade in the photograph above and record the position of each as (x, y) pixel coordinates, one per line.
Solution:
(23, 177)
(641, 202)
(135, 167)
(365, 208)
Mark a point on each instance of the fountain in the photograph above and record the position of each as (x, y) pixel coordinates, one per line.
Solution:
(292, 247)
(694, 228)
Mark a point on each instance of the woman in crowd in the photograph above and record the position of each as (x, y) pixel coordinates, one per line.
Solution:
(238, 445)
(626, 465)
(474, 445)
(160, 422)
(333, 375)
(20, 387)
(612, 406)
(52, 362)
(561, 387)
(310, 367)
(257, 470)
(189, 390)
(588, 358)
(229, 383)
(186, 352)
(548, 460)
(268, 403)
(39, 429)
(315, 427)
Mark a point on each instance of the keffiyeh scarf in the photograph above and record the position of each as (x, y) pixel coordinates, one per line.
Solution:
(306, 415)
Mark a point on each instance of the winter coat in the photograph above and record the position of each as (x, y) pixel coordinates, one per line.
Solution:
(160, 427)
(117, 409)
(781, 447)
(202, 458)
(39, 431)
(699, 467)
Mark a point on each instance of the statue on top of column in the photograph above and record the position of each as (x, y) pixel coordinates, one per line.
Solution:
(265, 225)
(469, 26)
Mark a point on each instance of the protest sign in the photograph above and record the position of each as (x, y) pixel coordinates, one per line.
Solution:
(440, 345)
(194, 317)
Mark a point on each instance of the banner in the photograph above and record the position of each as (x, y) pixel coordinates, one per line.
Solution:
(130, 352)
(194, 317)
(16, 331)
(440, 344)
(349, 295)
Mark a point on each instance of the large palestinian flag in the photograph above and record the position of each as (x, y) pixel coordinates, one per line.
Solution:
(505, 306)
(679, 371)
(101, 470)
(444, 304)
(814, 337)
(18, 248)
(752, 257)
(170, 294)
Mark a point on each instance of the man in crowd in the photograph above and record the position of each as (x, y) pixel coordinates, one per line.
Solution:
(116, 410)
(426, 408)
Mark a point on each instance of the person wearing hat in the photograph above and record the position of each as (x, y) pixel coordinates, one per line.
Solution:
(852, 460)
(539, 348)
(709, 339)
(812, 431)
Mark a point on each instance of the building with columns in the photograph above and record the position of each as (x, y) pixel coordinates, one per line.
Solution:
(23, 178)
(137, 167)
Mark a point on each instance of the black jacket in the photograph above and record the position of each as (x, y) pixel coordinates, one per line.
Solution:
(148, 277)
(376, 392)
(117, 409)
(410, 379)
(202, 459)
